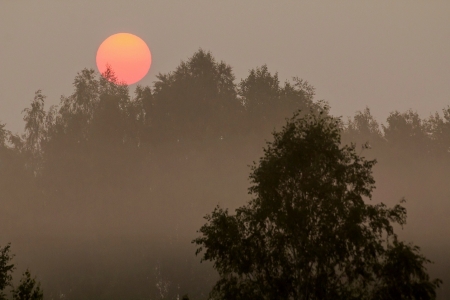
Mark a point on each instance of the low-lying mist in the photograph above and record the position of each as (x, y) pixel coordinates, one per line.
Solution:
(102, 195)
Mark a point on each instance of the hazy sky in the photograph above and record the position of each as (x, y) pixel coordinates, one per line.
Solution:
(388, 55)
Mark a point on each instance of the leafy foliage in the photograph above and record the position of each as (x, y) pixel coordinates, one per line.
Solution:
(6, 269)
(3, 135)
(308, 232)
(265, 100)
(198, 87)
(106, 160)
(28, 289)
(405, 135)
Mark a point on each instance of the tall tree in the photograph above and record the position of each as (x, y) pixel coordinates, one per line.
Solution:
(81, 130)
(439, 131)
(407, 133)
(4, 135)
(268, 103)
(364, 131)
(34, 122)
(35, 131)
(308, 232)
(197, 101)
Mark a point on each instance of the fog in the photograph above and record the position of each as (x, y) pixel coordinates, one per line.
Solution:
(103, 194)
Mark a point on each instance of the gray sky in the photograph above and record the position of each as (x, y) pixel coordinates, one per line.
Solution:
(388, 55)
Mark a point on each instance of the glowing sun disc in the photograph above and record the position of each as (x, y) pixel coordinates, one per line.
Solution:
(127, 55)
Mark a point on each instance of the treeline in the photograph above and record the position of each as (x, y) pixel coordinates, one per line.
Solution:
(102, 135)
(106, 163)
(404, 133)
(198, 105)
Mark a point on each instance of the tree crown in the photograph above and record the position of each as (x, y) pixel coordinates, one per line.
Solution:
(308, 232)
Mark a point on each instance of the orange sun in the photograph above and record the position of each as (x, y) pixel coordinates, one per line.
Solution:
(127, 55)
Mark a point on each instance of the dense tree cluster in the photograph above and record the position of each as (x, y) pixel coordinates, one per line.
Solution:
(106, 160)
(404, 133)
(96, 163)
(198, 103)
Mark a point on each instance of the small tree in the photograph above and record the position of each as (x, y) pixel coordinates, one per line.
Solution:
(28, 289)
(6, 268)
(308, 232)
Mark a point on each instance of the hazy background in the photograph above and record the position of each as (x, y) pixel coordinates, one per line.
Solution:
(107, 232)
(387, 55)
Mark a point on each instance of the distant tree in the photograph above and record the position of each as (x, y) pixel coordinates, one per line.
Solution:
(196, 102)
(16, 178)
(363, 125)
(89, 133)
(308, 232)
(142, 108)
(439, 130)
(407, 133)
(365, 132)
(35, 122)
(4, 135)
(260, 90)
(72, 120)
(35, 131)
(268, 103)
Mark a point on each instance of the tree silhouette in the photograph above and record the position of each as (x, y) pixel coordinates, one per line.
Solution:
(364, 126)
(308, 232)
(406, 131)
(6, 268)
(4, 135)
(28, 289)
(268, 103)
(195, 102)
(34, 123)
(439, 131)
(107, 161)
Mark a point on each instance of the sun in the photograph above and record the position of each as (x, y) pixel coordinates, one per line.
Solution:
(127, 55)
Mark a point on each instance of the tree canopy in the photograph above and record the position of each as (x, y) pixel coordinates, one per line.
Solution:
(28, 288)
(109, 161)
(309, 232)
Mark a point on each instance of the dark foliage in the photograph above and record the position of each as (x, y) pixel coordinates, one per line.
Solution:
(308, 232)
(92, 182)
(6, 269)
(28, 289)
